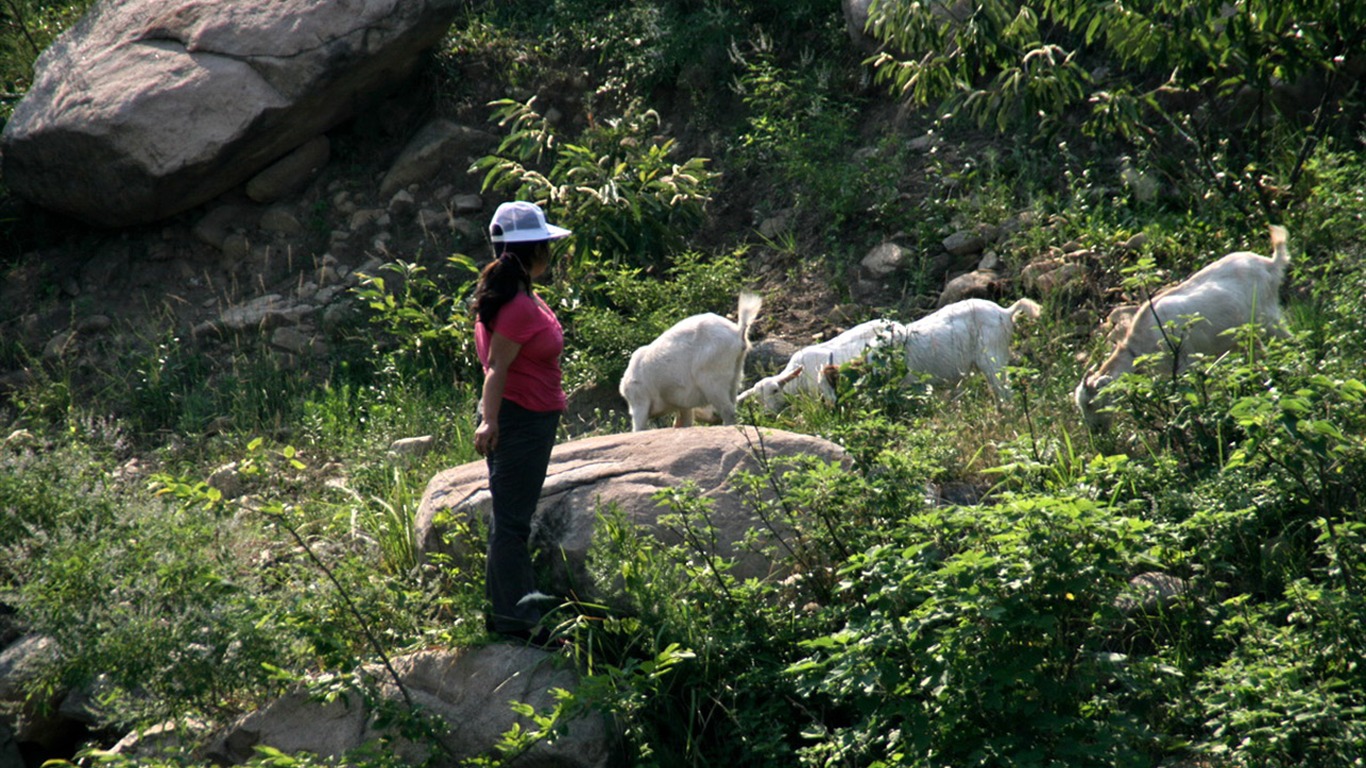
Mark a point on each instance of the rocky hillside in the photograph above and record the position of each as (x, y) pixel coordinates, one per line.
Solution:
(271, 261)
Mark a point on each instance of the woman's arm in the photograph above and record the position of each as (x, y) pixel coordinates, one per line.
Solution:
(502, 351)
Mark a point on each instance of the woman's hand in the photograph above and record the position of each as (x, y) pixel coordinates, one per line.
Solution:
(486, 438)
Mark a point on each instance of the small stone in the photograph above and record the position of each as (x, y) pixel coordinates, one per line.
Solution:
(964, 243)
(412, 446)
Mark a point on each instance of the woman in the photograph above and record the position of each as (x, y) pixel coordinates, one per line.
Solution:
(519, 341)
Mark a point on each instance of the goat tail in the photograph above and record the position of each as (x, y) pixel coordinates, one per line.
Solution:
(744, 317)
(1028, 307)
(746, 312)
(1280, 255)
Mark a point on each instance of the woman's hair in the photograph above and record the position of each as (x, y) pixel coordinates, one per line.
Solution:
(508, 273)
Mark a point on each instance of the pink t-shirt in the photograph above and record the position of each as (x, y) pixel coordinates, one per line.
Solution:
(534, 379)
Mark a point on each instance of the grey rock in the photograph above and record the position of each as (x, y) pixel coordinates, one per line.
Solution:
(22, 661)
(264, 312)
(965, 242)
(220, 221)
(776, 225)
(94, 324)
(227, 479)
(463, 205)
(429, 219)
(291, 172)
(145, 108)
(364, 218)
(1151, 592)
(438, 144)
(411, 446)
(883, 261)
(293, 339)
(856, 23)
(623, 470)
(60, 346)
(1052, 275)
(154, 741)
(280, 220)
(979, 284)
(768, 356)
(924, 142)
(236, 247)
(402, 203)
(469, 692)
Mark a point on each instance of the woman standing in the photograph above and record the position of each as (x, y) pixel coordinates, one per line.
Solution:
(519, 341)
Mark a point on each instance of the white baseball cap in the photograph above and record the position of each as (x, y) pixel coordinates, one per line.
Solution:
(522, 222)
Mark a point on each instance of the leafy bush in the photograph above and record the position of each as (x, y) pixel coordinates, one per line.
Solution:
(1189, 79)
(1289, 692)
(423, 329)
(797, 131)
(618, 187)
(979, 636)
(140, 595)
(670, 48)
(43, 487)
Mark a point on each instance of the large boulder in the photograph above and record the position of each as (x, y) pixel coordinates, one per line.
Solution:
(146, 108)
(856, 24)
(37, 721)
(469, 693)
(625, 471)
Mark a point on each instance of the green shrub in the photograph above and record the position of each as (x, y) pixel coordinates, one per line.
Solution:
(617, 185)
(1289, 693)
(421, 328)
(1035, 67)
(797, 131)
(978, 636)
(676, 49)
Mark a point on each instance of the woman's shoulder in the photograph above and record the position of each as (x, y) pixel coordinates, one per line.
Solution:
(525, 308)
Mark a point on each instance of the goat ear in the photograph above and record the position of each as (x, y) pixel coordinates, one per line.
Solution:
(789, 377)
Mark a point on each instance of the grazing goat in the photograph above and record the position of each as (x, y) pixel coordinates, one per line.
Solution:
(974, 333)
(802, 374)
(697, 362)
(944, 347)
(1194, 317)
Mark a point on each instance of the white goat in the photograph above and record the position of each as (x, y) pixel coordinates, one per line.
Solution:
(696, 363)
(971, 334)
(945, 347)
(802, 374)
(1194, 317)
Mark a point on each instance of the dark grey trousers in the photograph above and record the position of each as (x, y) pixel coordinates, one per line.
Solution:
(517, 469)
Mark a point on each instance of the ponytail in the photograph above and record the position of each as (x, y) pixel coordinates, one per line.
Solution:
(501, 279)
